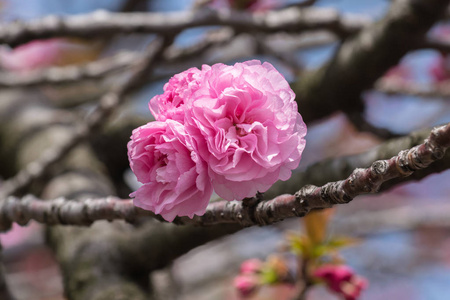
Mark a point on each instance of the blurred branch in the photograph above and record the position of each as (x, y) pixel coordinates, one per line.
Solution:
(107, 66)
(395, 87)
(69, 74)
(132, 5)
(374, 49)
(288, 59)
(104, 23)
(305, 3)
(359, 121)
(401, 218)
(108, 103)
(436, 44)
(361, 181)
(211, 39)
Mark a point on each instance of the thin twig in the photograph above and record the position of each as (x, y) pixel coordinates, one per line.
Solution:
(436, 44)
(108, 103)
(288, 59)
(359, 121)
(305, 3)
(396, 87)
(361, 181)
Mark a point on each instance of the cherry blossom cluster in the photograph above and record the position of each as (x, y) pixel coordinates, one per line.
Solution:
(232, 129)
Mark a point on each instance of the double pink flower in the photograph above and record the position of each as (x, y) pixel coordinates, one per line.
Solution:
(237, 129)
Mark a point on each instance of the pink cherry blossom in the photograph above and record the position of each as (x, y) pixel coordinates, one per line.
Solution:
(175, 179)
(244, 123)
(342, 280)
(170, 105)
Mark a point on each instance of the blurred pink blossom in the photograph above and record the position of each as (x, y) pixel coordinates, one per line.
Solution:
(399, 72)
(19, 234)
(44, 53)
(251, 266)
(440, 68)
(175, 179)
(342, 280)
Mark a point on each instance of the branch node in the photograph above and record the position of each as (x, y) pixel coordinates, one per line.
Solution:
(402, 164)
(379, 167)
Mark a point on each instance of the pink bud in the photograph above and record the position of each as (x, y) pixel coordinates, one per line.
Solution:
(251, 266)
(342, 280)
(246, 284)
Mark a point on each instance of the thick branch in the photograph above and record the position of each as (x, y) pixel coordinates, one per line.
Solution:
(361, 181)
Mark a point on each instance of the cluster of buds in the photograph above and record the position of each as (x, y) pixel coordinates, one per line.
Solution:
(248, 280)
(316, 260)
(255, 273)
(341, 279)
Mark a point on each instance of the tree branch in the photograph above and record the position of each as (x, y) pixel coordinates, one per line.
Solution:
(70, 74)
(5, 293)
(436, 44)
(104, 23)
(399, 218)
(361, 181)
(395, 87)
(361, 124)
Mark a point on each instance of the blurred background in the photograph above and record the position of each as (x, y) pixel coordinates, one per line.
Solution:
(400, 259)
